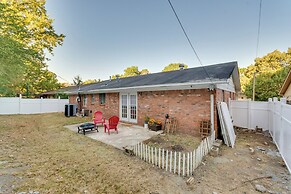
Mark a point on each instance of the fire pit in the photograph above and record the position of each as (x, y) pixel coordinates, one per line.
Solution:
(86, 126)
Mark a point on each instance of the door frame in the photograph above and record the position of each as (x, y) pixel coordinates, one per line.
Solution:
(128, 119)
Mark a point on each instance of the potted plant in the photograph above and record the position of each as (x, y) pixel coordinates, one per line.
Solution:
(146, 121)
(155, 125)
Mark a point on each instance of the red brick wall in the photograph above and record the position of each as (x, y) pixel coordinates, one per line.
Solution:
(110, 108)
(188, 106)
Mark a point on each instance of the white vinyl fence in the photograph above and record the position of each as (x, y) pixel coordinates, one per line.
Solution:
(182, 164)
(31, 106)
(273, 115)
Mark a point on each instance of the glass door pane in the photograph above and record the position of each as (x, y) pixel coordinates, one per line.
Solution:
(124, 106)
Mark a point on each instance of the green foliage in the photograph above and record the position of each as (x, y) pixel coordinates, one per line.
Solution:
(38, 81)
(14, 60)
(174, 66)
(268, 84)
(144, 72)
(131, 71)
(91, 81)
(25, 33)
(62, 96)
(271, 71)
(27, 22)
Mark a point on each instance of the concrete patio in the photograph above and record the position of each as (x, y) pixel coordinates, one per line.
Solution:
(128, 135)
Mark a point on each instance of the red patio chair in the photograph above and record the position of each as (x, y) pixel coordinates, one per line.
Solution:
(98, 119)
(112, 124)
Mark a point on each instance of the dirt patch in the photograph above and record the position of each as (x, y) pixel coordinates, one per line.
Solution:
(174, 142)
(48, 158)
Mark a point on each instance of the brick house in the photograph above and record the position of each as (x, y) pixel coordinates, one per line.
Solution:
(187, 94)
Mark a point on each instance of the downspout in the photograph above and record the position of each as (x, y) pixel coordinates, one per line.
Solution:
(212, 116)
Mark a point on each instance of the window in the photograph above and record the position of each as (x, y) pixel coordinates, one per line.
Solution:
(85, 101)
(102, 98)
(92, 99)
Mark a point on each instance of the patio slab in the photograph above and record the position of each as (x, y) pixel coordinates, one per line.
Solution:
(127, 135)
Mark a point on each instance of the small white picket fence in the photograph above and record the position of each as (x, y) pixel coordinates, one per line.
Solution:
(180, 163)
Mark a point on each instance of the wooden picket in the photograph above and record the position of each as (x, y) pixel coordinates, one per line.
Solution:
(179, 163)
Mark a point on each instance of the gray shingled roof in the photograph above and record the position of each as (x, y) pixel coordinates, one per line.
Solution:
(218, 72)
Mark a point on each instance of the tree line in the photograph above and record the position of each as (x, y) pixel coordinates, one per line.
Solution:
(269, 71)
(27, 33)
(128, 72)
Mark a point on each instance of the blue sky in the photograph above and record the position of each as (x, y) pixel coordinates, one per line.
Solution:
(103, 37)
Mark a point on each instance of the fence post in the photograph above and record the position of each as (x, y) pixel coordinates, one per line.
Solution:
(175, 161)
(149, 153)
(249, 114)
(156, 156)
(59, 104)
(153, 156)
(188, 164)
(147, 156)
(171, 154)
(179, 164)
(167, 161)
(281, 138)
(159, 157)
(19, 106)
(183, 164)
(141, 150)
(144, 151)
(163, 159)
(270, 115)
(191, 163)
(194, 159)
(40, 106)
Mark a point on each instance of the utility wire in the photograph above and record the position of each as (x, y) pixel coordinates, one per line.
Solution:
(189, 41)
(63, 78)
(259, 28)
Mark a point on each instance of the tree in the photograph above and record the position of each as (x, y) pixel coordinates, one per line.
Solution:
(38, 81)
(25, 33)
(174, 66)
(270, 70)
(77, 80)
(27, 22)
(13, 62)
(268, 84)
(131, 71)
(91, 81)
(144, 72)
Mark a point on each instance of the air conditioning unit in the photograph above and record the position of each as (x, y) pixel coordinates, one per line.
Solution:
(70, 110)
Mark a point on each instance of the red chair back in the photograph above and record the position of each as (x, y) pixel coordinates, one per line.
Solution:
(98, 116)
(113, 122)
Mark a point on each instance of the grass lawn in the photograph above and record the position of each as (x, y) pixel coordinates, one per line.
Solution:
(38, 153)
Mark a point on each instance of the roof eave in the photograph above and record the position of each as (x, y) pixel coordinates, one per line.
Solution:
(181, 86)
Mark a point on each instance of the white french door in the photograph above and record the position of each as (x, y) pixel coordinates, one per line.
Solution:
(128, 107)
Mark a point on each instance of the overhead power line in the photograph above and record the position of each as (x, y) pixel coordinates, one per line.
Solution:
(259, 28)
(188, 39)
(63, 78)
